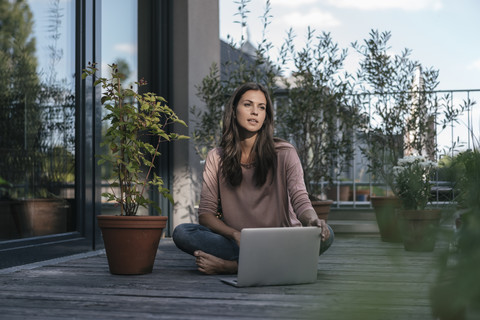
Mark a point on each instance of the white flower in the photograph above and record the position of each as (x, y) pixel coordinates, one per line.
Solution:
(428, 164)
(412, 180)
(425, 164)
(407, 160)
(397, 170)
(411, 159)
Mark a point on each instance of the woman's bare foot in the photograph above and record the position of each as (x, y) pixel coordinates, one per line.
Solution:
(209, 264)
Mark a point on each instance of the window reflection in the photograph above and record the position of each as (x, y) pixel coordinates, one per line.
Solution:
(37, 118)
(119, 46)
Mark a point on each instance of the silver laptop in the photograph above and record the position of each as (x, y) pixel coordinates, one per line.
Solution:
(277, 256)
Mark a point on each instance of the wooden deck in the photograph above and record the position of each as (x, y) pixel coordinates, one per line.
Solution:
(360, 277)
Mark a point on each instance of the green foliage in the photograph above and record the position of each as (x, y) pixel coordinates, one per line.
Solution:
(404, 111)
(455, 289)
(20, 113)
(138, 123)
(463, 172)
(4, 189)
(37, 111)
(317, 116)
(412, 181)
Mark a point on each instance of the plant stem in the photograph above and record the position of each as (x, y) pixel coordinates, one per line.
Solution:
(150, 169)
(121, 166)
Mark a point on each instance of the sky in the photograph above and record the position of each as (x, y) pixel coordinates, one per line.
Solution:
(442, 34)
(64, 68)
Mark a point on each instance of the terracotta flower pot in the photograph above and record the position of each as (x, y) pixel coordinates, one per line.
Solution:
(387, 220)
(343, 193)
(40, 217)
(131, 242)
(322, 208)
(419, 229)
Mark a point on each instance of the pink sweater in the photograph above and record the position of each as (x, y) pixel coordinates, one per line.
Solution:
(277, 204)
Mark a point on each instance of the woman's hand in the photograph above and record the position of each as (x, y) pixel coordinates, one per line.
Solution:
(322, 224)
(310, 219)
(218, 226)
(236, 237)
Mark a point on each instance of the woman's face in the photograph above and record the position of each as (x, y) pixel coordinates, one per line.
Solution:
(251, 111)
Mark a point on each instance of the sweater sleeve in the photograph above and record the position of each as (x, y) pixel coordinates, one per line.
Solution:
(296, 184)
(210, 190)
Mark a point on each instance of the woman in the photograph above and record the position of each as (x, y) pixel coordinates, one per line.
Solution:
(253, 180)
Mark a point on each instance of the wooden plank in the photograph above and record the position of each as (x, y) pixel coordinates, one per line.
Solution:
(360, 277)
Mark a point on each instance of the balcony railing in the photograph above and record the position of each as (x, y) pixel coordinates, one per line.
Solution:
(458, 135)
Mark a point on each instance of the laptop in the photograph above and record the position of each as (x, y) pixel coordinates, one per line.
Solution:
(277, 256)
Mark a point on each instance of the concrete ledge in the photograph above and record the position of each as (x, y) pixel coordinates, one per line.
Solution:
(353, 226)
(349, 214)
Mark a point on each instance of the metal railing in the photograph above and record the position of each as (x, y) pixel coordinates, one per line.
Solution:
(458, 135)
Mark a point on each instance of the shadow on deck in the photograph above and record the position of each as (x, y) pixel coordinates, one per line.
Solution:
(360, 277)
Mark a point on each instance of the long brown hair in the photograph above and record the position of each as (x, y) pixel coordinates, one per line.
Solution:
(265, 158)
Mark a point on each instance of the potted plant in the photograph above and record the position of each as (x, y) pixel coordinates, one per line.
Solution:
(404, 115)
(453, 295)
(43, 209)
(317, 116)
(137, 124)
(412, 184)
(39, 171)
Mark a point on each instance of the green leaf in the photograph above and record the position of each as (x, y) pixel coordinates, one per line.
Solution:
(164, 135)
(169, 197)
(104, 99)
(181, 122)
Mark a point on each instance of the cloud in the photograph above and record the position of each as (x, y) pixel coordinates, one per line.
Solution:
(292, 3)
(314, 18)
(407, 5)
(475, 65)
(129, 48)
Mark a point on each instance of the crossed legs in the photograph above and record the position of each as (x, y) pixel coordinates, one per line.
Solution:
(215, 254)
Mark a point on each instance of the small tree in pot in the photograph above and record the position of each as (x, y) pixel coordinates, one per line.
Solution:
(404, 111)
(317, 116)
(404, 115)
(137, 125)
(418, 224)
